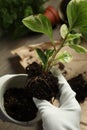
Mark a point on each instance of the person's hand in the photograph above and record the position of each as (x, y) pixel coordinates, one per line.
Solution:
(65, 117)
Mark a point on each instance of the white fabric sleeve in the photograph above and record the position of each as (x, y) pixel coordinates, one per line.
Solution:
(65, 117)
(67, 95)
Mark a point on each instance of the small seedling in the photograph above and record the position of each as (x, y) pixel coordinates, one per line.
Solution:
(71, 34)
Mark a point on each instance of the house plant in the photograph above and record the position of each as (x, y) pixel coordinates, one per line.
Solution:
(12, 12)
(38, 74)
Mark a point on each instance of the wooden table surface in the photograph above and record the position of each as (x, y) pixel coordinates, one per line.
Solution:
(10, 65)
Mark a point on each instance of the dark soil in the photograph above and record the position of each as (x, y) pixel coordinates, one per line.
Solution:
(43, 85)
(19, 104)
(79, 85)
(61, 66)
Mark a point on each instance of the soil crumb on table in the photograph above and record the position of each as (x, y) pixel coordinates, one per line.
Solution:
(79, 85)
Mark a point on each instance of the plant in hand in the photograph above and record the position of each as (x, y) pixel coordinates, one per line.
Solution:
(41, 82)
(71, 34)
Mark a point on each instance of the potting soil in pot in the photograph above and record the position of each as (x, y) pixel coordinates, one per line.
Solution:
(18, 101)
(19, 104)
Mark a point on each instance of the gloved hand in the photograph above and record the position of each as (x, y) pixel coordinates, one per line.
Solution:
(67, 115)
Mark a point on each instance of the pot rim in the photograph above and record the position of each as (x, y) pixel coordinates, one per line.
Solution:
(4, 86)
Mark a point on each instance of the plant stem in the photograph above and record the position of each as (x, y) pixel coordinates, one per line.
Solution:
(53, 44)
(55, 53)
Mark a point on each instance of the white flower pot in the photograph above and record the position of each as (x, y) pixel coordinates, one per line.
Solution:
(6, 82)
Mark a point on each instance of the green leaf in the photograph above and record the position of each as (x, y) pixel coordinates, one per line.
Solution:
(77, 15)
(78, 48)
(64, 31)
(13, 11)
(39, 23)
(49, 53)
(28, 11)
(71, 37)
(42, 56)
(64, 57)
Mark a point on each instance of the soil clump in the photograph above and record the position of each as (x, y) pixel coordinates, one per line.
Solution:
(79, 85)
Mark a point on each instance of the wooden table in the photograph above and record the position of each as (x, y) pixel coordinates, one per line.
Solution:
(10, 65)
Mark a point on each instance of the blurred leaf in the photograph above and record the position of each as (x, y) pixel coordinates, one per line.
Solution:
(71, 37)
(77, 15)
(13, 11)
(78, 48)
(64, 57)
(28, 11)
(64, 31)
(39, 23)
(42, 56)
(49, 53)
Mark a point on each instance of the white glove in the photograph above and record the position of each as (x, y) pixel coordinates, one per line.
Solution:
(65, 117)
